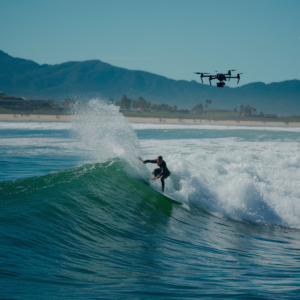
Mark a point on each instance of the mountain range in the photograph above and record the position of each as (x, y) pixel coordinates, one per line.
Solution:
(93, 78)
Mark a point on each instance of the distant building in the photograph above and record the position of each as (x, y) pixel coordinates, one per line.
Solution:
(183, 111)
(270, 116)
(19, 103)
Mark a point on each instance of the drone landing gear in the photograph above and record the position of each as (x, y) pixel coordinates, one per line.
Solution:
(220, 84)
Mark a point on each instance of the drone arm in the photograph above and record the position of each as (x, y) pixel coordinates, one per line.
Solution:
(204, 76)
(237, 77)
(211, 78)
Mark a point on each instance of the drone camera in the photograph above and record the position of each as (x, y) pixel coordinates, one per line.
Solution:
(220, 84)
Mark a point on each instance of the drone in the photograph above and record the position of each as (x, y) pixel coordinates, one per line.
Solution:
(220, 76)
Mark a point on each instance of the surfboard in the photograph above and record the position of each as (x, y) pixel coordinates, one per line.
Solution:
(170, 199)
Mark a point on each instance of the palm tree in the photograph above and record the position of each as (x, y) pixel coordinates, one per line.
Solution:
(241, 109)
(207, 102)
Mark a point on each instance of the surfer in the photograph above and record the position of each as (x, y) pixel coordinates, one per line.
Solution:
(162, 172)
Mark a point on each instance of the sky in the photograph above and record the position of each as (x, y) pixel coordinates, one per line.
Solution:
(260, 38)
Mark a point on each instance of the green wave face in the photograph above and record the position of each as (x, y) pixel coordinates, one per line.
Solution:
(95, 220)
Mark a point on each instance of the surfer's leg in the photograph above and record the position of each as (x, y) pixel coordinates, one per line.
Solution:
(162, 184)
(156, 172)
(167, 175)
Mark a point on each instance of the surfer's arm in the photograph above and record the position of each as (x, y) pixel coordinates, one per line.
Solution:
(159, 175)
(151, 161)
(163, 169)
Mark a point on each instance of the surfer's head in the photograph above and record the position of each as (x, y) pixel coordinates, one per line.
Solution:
(159, 159)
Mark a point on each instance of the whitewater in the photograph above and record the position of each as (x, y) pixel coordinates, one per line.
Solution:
(77, 221)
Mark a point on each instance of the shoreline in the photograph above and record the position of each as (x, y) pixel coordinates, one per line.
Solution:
(67, 118)
(212, 122)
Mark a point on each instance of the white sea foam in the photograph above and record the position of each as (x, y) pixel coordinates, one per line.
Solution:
(43, 146)
(250, 181)
(144, 126)
(35, 125)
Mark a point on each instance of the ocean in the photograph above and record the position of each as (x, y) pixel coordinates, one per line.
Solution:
(78, 222)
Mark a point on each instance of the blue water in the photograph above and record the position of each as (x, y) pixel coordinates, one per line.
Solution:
(76, 220)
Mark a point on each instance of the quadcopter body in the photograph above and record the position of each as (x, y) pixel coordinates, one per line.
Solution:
(219, 76)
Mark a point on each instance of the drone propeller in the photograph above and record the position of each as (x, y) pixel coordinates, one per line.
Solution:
(229, 73)
(201, 75)
(238, 77)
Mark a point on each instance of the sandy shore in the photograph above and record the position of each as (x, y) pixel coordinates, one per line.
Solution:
(65, 118)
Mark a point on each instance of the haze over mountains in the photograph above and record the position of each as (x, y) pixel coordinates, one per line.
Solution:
(93, 78)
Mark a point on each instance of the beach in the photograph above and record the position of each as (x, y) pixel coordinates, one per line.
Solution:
(67, 118)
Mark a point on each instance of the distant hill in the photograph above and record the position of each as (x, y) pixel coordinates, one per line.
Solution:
(93, 78)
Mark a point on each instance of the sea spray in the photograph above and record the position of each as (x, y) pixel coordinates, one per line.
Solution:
(107, 135)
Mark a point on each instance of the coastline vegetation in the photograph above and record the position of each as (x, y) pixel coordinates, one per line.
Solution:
(175, 115)
(210, 116)
(143, 109)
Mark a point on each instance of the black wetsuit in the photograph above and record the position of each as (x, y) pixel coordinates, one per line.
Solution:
(162, 171)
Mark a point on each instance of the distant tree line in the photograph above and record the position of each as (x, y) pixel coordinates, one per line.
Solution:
(247, 110)
(198, 109)
(141, 104)
(64, 104)
(124, 103)
(128, 104)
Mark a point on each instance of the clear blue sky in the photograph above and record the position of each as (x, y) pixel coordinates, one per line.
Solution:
(169, 38)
